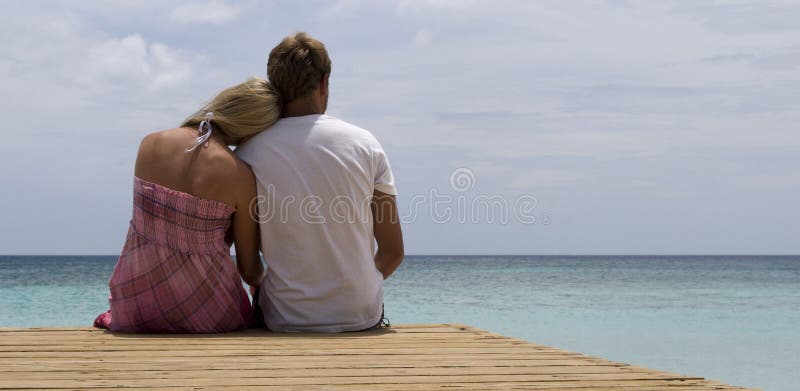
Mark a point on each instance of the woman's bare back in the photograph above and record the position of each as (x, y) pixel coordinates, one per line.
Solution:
(210, 171)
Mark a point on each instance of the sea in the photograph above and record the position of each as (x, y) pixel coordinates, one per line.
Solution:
(734, 319)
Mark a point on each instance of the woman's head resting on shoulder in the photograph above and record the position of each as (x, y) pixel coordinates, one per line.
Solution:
(240, 111)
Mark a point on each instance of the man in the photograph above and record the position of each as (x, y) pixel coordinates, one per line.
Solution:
(326, 195)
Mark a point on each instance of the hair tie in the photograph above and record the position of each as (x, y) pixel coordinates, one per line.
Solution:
(204, 130)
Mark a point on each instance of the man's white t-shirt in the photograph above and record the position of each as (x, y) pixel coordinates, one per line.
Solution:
(315, 177)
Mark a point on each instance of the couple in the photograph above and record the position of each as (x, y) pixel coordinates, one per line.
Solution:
(311, 192)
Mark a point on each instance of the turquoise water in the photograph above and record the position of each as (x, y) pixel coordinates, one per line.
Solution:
(728, 318)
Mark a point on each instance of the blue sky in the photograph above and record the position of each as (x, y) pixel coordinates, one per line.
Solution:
(638, 127)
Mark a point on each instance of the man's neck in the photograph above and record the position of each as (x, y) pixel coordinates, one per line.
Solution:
(301, 107)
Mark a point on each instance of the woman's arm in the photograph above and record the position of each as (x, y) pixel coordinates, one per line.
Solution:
(246, 236)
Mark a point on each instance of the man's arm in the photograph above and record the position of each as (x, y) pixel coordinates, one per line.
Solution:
(388, 234)
(245, 230)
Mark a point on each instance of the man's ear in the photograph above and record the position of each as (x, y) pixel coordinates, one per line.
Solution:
(323, 85)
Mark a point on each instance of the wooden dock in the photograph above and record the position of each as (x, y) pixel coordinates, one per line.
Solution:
(406, 357)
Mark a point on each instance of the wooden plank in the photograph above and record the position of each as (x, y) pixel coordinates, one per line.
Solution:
(11, 338)
(299, 347)
(295, 362)
(499, 366)
(447, 386)
(270, 372)
(407, 357)
(88, 357)
(332, 352)
(319, 380)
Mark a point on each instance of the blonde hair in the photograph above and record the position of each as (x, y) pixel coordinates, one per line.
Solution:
(241, 111)
(297, 65)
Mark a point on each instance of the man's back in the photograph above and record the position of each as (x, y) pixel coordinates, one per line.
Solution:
(316, 176)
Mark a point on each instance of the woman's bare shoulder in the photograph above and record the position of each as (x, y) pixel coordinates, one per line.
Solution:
(163, 141)
(173, 134)
(160, 153)
(239, 173)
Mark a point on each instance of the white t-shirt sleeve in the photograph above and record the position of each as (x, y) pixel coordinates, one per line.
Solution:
(384, 178)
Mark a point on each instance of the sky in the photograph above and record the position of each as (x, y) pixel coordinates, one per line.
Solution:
(595, 127)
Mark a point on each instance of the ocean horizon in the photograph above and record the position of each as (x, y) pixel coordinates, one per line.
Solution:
(731, 318)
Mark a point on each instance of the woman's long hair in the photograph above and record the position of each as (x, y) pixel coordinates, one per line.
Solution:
(240, 111)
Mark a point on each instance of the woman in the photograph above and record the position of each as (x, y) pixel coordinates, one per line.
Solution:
(191, 198)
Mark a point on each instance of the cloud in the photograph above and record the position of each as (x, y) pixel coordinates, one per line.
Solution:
(171, 66)
(133, 59)
(743, 17)
(544, 177)
(470, 116)
(619, 3)
(729, 58)
(422, 37)
(422, 5)
(126, 57)
(208, 12)
(786, 60)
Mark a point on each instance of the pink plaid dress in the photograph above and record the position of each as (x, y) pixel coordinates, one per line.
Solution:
(175, 274)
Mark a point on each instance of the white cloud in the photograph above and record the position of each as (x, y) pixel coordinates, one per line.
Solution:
(743, 17)
(172, 66)
(544, 177)
(133, 59)
(421, 5)
(422, 37)
(126, 57)
(729, 58)
(208, 12)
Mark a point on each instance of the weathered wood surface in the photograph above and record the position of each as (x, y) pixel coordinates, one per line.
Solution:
(405, 357)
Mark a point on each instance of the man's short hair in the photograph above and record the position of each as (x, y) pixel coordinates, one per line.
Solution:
(297, 65)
